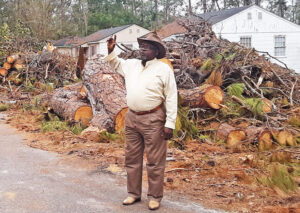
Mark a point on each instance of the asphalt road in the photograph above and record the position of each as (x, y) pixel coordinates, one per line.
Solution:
(36, 181)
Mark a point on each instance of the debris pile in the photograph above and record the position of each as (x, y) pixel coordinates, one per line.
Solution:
(228, 93)
(37, 69)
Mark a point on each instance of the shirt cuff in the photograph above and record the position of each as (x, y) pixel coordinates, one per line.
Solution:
(170, 124)
(111, 56)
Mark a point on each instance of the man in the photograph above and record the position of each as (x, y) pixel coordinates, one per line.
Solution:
(150, 120)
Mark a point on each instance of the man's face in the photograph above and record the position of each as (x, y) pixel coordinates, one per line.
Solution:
(148, 51)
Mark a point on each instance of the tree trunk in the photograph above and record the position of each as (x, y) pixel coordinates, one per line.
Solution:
(204, 6)
(298, 11)
(166, 10)
(190, 8)
(156, 13)
(106, 92)
(66, 104)
(205, 96)
(247, 2)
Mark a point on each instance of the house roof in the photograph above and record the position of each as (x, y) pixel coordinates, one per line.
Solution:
(217, 16)
(171, 29)
(212, 17)
(101, 34)
(97, 36)
(69, 42)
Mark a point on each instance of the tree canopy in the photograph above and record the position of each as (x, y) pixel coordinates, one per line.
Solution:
(54, 19)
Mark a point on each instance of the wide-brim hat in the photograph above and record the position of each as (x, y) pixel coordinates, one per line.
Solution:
(155, 39)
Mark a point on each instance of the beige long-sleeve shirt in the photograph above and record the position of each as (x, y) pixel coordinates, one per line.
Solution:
(149, 86)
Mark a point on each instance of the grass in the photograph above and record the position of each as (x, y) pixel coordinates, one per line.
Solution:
(279, 177)
(3, 107)
(57, 125)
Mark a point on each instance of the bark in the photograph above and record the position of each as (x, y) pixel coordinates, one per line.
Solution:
(204, 96)
(106, 92)
(82, 58)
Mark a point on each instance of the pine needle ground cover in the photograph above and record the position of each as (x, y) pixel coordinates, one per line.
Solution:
(205, 170)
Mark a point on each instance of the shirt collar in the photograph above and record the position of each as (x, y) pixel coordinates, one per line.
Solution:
(148, 63)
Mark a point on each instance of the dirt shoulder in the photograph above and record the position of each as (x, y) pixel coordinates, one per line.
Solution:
(206, 172)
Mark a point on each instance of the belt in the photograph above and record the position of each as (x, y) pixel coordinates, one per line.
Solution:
(148, 111)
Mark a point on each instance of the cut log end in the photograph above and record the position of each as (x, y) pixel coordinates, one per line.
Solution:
(84, 114)
(6, 65)
(267, 106)
(235, 137)
(3, 72)
(18, 66)
(265, 140)
(12, 58)
(214, 97)
(120, 120)
(285, 138)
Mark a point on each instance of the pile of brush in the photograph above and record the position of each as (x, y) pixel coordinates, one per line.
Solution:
(37, 69)
(261, 101)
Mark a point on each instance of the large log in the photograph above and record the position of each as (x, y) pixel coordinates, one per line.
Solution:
(106, 92)
(66, 104)
(204, 96)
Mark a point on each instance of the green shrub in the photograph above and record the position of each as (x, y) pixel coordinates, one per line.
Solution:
(3, 107)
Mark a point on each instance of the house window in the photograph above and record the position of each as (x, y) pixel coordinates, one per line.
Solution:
(280, 45)
(249, 16)
(245, 41)
(130, 31)
(260, 15)
(93, 50)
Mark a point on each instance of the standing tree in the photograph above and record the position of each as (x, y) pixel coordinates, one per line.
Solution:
(247, 2)
(281, 7)
(298, 11)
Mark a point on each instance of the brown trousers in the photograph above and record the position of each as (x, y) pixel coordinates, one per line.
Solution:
(145, 132)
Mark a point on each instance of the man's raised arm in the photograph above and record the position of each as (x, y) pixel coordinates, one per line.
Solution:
(115, 62)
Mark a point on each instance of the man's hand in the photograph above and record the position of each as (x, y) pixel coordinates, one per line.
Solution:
(111, 43)
(168, 133)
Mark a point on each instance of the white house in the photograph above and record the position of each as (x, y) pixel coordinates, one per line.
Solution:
(96, 42)
(256, 27)
(126, 35)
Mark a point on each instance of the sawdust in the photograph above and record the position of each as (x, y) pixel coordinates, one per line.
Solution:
(205, 172)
